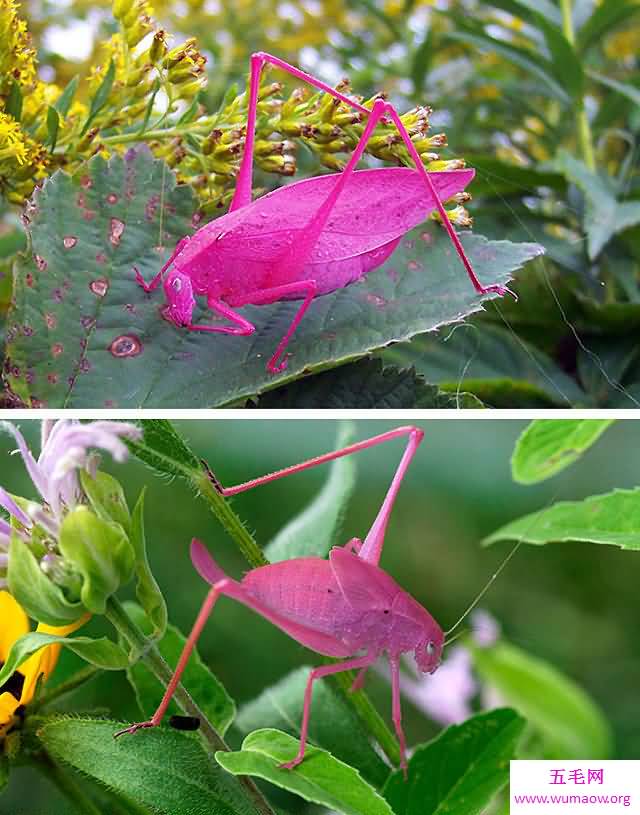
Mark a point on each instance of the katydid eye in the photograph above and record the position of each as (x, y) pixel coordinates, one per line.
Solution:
(177, 285)
(430, 648)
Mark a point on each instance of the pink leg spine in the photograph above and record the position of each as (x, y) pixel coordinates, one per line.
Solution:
(317, 673)
(149, 287)
(371, 549)
(397, 712)
(203, 616)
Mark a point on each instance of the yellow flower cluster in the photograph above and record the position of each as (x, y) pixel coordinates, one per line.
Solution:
(22, 157)
(17, 57)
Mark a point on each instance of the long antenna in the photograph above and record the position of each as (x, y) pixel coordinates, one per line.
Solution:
(486, 587)
(538, 517)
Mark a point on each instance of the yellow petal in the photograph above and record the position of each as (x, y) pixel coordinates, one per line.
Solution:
(14, 623)
(44, 661)
(8, 705)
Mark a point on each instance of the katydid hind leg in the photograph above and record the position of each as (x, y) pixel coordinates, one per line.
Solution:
(317, 673)
(371, 549)
(455, 240)
(242, 194)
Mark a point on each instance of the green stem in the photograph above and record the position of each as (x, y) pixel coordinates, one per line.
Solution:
(68, 786)
(236, 529)
(368, 714)
(585, 136)
(159, 133)
(154, 661)
(63, 688)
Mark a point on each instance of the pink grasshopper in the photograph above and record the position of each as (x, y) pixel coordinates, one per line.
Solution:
(338, 607)
(305, 239)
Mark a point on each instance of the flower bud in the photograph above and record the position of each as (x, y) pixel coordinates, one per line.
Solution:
(100, 551)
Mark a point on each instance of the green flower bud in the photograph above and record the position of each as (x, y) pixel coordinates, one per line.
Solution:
(100, 551)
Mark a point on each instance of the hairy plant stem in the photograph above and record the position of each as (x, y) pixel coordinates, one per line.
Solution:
(63, 688)
(67, 785)
(153, 660)
(245, 542)
(585, 136)
(235, 528)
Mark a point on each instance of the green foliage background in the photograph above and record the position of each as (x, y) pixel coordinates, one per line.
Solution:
(542, 98)
(570, 604)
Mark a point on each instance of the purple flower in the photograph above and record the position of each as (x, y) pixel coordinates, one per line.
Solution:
(67, 445)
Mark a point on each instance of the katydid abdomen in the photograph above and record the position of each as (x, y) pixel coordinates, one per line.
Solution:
(255, 248)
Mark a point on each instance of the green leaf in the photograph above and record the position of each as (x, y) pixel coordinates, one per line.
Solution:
(612, 518)
(495, 364)
(65, 99)
(100, 652)
(101, 96)
(101, 553)
(316, 529)
(13, 103)
(624, 88)
(164, 449)
(497, 178)
(531, 62)
(365, 384)
(571, 724)
(83, 333)
(333, 725)
(608, 15)
(321, 778)
(53, 123)
(604, 215)
(162, 769)
(203, 685)
(39, 597)
(147, 590)
(106, 497)
(461, 770)
(548, 446)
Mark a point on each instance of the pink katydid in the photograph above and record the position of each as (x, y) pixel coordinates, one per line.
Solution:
(338, 607)
(308, 238)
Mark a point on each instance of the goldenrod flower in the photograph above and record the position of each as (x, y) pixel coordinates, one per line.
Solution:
(12, 140)
(16, 694)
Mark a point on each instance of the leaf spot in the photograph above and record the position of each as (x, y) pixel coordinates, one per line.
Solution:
(376, 300)
(69, 241)
(117, 228)
(57, 348)
(127, 345)
(99, 286)
(41, 263)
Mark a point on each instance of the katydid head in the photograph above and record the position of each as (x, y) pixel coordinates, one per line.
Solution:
(428, 652)
(180, 299)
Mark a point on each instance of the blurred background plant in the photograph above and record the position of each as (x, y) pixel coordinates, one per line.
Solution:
(542, 98)
(561, 650)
